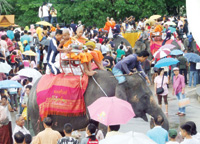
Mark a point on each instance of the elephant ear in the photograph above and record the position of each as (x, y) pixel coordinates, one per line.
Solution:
(121, 91)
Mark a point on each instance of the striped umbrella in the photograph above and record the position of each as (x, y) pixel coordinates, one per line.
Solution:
(161, 53)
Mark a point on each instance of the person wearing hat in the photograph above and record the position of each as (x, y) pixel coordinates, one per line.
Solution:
(179, 88)
(26, 45)
(97, 55)
(172, 137)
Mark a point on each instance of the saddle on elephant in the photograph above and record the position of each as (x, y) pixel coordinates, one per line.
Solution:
(82, 53)
(61, 95)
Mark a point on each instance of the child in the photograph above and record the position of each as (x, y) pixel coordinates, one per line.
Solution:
(91, 139)
(172, 136)
(13, 60)
(26, 46)
(186, 131)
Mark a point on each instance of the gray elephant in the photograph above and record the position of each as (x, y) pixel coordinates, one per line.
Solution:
(134, 90)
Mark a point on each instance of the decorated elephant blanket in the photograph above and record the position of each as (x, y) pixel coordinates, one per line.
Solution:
(155, 45)
(61, 95)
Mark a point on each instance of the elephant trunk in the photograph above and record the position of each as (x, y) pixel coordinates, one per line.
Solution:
(154, 110)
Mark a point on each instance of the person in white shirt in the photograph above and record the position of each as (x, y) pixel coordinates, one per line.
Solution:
(113, 130)
(140, 24)
(194, 132)
(124, 46)
(40, 15)
(186, 131)
(20, 126)
(172, 136)
(180, 23)
(45, 12)
(6, 129)
(104, 49)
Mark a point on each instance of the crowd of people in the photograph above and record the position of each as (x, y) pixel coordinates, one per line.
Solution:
(87, 44)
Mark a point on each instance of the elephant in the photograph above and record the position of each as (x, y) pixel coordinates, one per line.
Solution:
(117, 41)
(134, 90)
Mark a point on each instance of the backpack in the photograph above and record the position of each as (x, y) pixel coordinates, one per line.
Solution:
(93, 142)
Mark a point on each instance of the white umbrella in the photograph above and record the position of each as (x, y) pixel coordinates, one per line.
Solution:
(30, 72)
(170, 23)
(128, 138)
(5, 68)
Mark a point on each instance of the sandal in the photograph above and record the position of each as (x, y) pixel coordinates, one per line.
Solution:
(181, 114)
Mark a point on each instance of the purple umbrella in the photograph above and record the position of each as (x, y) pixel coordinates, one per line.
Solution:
(169, 46)
(18, 77)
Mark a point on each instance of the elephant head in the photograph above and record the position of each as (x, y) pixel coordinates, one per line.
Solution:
(139, 95)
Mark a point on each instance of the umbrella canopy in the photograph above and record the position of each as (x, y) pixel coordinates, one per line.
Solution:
(29, 53)
(169, 46)
(45, 42)
(154, 17)
(44, 23)
(5, 68)
(170, 23)
(18, 77)
(151, 22)
(111, 111)
(192, 57)
(161, 53)
(166, 62)
(128, 138)
(176, 52)
(171, 29)
(30, 72)
(9, 84)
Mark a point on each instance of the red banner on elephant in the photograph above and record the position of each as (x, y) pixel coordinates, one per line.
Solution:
(61, 95)
(155, 45)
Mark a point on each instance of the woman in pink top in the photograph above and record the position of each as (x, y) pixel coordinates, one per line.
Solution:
(158, 84)
(26, 63)
(9, 44)
(32, 30)
(179, 88)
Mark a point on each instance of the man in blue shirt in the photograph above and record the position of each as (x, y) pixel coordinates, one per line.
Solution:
(10, 33)
(25, 37)
(53, 51)
(158, 134)
(127, 64)
(168, 34)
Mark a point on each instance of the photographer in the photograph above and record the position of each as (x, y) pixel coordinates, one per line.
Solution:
(53, 13)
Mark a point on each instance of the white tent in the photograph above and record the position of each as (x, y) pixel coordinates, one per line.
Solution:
(193, 11)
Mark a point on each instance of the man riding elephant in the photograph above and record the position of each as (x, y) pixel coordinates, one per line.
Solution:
(126, 66)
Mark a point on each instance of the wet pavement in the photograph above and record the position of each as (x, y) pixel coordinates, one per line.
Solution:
(139, 125)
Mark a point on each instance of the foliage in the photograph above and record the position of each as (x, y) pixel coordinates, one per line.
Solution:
(92, 12)
(4, 6)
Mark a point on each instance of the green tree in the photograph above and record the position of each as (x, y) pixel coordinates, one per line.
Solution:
(5, 7)
(92, 12)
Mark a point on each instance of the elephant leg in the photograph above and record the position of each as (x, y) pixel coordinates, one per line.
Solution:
(103, 128)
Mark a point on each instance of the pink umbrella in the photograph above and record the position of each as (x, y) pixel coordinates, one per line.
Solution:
(161, 53)
(169, 46)
(111, 111)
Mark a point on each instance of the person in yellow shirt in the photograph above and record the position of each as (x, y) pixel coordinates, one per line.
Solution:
(39, 31)
(48, 135)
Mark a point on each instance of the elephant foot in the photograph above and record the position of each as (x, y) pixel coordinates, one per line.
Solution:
(90, 73)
